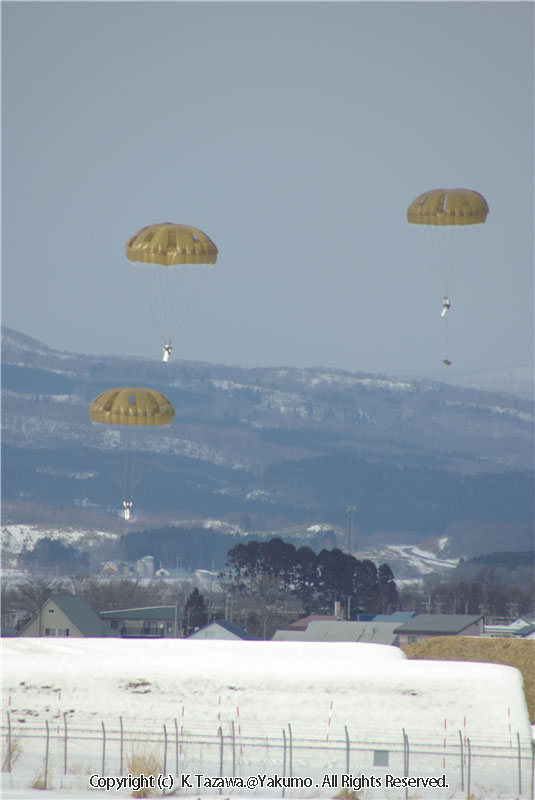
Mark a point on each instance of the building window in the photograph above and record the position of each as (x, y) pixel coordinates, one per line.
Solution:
(51, 610)
(57, 631)
(114, 624)
(412, 639)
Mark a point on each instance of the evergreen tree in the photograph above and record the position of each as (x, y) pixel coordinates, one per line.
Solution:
(306, 577)
(244, 561)
(336, 580)
(195, 615)
(388, 592)
(367, 587)
(278, 559)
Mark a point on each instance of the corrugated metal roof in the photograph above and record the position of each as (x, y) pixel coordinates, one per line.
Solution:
(149, 613)
(301, 624)
(342, 631)
(439, 623)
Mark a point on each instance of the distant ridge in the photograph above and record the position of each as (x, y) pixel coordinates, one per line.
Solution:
(272, 448)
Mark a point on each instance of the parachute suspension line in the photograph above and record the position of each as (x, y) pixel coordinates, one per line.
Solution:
(123, 471)
(135, 465)
(170, 296)
(447, 218)
(138, 472)
(446, 360)
(135, 412)
(149, 290)
(472, 234)
(430, 254)
(129, 471)
(188, 305)
(171, 248)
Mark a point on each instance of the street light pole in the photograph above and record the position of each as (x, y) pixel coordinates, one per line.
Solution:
(350, 511)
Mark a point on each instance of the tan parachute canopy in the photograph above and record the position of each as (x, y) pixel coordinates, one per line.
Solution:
(169, 244)
(137, 406)
(448, 207)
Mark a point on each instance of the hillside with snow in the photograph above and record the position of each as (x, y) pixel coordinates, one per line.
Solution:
(266, 450)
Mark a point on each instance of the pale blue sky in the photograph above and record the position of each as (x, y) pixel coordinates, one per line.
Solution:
(295, 134)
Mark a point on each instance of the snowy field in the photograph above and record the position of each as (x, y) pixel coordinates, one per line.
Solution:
(333, 715)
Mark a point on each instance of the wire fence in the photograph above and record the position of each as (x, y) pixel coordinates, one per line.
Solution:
(60, 753)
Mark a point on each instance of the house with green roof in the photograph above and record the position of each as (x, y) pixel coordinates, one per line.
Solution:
(152, 622)
(64, 615)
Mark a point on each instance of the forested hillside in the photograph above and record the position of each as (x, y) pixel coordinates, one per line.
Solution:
(270, 448)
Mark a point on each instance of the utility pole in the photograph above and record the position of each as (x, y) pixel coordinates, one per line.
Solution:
(350, 511)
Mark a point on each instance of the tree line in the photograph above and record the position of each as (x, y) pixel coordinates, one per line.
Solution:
(268, 584)
(317, 580)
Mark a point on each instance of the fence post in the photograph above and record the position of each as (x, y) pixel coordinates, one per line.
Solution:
(519, 765)
(469, 767)
(121, 745)
(347, 750)
(164, 751)
(284, 757)
(46, 753)
(103, 749)
(233, 750)
(176, 747)
(291, 753)
(65, 743)
(406, 760)
(8, 741)
(220, 755)
(461, 752)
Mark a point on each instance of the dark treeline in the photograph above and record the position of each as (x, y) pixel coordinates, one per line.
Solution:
(52, 554)
(385, 493)
(195, 547)
(317, 580)
(512, 567)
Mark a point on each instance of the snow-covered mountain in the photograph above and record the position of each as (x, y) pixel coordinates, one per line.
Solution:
(266, 448)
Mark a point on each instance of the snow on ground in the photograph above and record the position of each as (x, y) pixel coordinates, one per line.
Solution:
(339, 378)
(423, 560)
(410, 562)
(276, 701)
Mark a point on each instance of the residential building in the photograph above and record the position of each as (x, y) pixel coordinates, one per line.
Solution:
(342, 631)
(64, 615)
(520, 628)
(425, 626)
(221, 629)
(153, 622)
